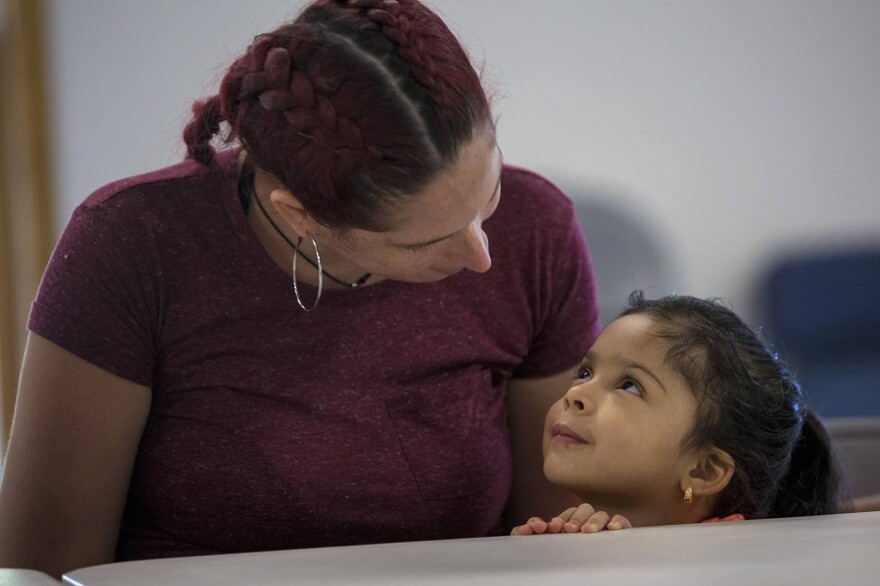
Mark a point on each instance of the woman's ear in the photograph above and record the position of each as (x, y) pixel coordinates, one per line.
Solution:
(292, 211)
(710, 474)
(287, 205)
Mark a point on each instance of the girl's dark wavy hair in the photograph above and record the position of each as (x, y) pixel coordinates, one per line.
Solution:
(750, 406)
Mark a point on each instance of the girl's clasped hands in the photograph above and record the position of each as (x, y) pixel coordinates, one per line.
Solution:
(581, 519)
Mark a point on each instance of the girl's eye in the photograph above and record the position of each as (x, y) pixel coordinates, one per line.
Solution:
(584, 373)
(632, 387)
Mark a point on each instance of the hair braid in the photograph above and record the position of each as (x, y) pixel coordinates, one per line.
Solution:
(198, 133)
(278, 86)
(398, 22)
(353, 105)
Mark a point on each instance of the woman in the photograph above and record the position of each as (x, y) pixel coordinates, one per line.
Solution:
(303, 341)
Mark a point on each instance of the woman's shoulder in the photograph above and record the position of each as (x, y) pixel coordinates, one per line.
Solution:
(525, 192)
(181, 180)
(530, 201)
(532, 187)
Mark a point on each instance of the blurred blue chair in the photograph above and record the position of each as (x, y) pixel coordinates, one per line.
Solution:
(822, 313)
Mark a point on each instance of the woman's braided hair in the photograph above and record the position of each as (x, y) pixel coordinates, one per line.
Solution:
(352, 105)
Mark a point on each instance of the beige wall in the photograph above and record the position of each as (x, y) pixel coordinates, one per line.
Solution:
(729, 131)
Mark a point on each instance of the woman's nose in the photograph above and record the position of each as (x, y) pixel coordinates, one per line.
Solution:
(476, 249)
(578, 400)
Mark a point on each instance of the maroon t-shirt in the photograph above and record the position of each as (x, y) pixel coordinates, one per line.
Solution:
(377, 417)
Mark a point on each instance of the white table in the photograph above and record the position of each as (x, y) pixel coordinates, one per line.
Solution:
(835, 550)
(10, 577)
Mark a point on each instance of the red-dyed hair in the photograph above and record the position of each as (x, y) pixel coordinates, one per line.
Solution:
(352, 105)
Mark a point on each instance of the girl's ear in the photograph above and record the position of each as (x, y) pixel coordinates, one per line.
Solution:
(710, 474)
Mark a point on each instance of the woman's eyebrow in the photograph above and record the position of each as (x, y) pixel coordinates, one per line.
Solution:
(442, 238)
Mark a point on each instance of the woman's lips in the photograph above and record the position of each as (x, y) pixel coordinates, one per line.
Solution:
(564, 435)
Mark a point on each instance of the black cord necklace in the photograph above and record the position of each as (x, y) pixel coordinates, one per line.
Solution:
(253, 192)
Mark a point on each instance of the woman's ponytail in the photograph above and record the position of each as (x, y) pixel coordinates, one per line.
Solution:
(810, 487)
(198, 133)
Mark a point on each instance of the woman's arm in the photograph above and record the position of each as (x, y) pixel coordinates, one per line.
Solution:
(74, 440)
(531, 494)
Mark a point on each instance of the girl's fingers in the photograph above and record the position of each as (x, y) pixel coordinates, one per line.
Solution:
(522, 530)
(558, 522)
(619, 522)
(534, 526)
(578, 518)
(565, 515)
(537, 525)
(596, 522)
(554, 525)
(583, 519)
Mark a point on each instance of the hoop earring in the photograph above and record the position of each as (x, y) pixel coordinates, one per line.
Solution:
(320, 273)
(689, 495)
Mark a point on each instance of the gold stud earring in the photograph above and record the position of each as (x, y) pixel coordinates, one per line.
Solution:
(689, 495)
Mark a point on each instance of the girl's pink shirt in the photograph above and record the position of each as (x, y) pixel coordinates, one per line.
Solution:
(734, 517)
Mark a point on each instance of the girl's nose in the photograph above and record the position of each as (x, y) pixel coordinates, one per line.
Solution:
(578, 400)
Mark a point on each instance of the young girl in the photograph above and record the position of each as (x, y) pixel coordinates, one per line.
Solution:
(680, 414)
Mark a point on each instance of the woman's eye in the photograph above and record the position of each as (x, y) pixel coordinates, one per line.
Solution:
(584, 373)
(420, 247)
(631, 387)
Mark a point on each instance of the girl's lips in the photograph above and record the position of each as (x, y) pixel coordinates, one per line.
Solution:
(563, 434)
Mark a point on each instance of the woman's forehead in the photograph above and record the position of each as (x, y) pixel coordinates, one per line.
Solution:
(453, 198)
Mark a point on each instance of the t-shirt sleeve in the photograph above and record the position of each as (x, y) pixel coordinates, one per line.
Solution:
(569, 309)
(727, 519)
(96, 298)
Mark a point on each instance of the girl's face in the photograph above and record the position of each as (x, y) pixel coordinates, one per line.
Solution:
(437, 232)
(616, 435)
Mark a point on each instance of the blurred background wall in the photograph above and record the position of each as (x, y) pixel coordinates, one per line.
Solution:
(699, 139)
